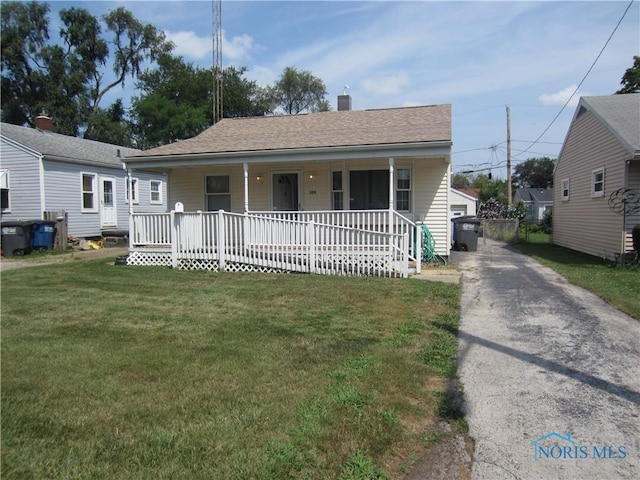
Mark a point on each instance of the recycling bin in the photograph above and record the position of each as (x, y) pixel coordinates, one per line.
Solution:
(16, 238)
(465, 233)
(43, 233)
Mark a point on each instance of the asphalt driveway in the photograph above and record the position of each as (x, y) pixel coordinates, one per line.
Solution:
(551, 373)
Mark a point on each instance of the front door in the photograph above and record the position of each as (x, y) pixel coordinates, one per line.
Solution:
(285, 192)
(108, 211)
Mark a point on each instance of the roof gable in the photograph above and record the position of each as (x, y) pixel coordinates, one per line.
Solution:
(533, 194)
(317, 130)
(53, 146)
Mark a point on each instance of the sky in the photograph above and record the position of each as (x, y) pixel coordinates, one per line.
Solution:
(479, 56)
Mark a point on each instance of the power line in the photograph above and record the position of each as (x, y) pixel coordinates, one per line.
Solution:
(583, 79)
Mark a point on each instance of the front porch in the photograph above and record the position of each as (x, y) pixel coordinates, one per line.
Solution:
(361, 243)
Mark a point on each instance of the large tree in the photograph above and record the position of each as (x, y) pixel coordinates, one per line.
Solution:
(631, 79)
(534, 173)
(300, 91)
(68, 81)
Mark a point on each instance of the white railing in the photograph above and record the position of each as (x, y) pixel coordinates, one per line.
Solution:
(273, 242)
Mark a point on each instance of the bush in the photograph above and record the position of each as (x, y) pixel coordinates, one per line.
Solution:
(547, 222)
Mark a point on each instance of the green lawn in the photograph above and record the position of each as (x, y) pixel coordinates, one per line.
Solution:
(617, 285)
(140, 372)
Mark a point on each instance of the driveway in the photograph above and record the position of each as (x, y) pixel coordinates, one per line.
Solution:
(551, 373)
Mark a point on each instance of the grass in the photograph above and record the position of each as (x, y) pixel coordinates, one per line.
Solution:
(141, 372)
(616, 285)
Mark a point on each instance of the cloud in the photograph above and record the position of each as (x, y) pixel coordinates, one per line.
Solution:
(191, 46)
(240, 47)
(561, 97)
(386, 85)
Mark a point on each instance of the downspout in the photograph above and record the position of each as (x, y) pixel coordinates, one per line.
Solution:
(245, 168)
(391, 189)
(128, 188)
(43, 200)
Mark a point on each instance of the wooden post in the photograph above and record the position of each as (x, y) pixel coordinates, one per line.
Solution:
(62, 227)
(175, 238)
(220, 241)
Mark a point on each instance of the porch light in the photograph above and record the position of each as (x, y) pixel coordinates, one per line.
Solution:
(259, 179)
(312, 178)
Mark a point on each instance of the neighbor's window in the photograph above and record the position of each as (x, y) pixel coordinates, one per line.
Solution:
(132, 191)
(218, 193)
(403, 190)
(337, 192)
(4, 190)
(155, 188)
(89, 184)
(597, 182)
(565, 189)
(368, 189)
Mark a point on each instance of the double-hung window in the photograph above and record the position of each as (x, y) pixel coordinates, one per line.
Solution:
(155, 189)
(403, 190)
(337, 193)
(564, 189)
(597, 182)
(5, 205)
(218, 193)
(132, 191)
(89, 192)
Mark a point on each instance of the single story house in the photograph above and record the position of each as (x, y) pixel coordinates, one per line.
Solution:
(380, 171)
(597, 177)
(463, 203)
(44, 171)
(537, 202)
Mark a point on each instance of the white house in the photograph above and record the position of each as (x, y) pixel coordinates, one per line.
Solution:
(462, 204)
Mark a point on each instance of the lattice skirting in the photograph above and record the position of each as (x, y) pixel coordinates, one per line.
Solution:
(150, 259)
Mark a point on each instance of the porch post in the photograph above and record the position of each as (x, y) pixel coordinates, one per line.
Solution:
(131, 225)
(245, 167)
(391, 189)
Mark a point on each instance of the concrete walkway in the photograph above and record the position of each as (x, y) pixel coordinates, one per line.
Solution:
(545, 364)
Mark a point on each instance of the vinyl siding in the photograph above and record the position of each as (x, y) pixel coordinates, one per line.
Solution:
(586, 223)
(429, 188)
(24, 183)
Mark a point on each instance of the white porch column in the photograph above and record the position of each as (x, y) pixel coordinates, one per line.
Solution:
(131, 225)
(391, 189)
(245, 167)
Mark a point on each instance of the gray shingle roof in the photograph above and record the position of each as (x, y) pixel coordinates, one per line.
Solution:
(621, 114)
(65, 148)
(315, 130)
(531, 194)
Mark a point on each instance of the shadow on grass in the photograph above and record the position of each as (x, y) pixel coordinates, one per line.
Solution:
(557, 254)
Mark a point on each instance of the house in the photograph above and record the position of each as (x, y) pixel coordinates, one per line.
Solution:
(463, 202)
(537, 202)
(597, 177)
(45, 171)
(380, 171)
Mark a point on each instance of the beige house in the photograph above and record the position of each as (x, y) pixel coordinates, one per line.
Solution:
(331, 168)
(597, 177)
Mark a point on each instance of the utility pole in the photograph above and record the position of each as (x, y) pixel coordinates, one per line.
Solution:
(216, 6)
(509, 199)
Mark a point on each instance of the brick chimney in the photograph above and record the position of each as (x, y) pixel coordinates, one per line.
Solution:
(44, 123)
(344, 103)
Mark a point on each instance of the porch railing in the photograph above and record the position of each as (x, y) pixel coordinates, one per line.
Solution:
(228, 241)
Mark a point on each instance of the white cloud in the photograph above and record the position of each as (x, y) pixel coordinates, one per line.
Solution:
(240, 47)
(561, 97)
(386, 85)
(191, 46)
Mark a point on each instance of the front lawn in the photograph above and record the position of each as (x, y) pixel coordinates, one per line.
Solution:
(140, 372)
(617, 285)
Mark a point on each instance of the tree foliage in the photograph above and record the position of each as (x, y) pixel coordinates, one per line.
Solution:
(460, 180)
(534, 173)
(631, 79)
(300, 91)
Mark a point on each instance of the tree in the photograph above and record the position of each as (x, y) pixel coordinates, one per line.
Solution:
(110, 126)
(631, 78)
(460, 180)
(490, 188)
(534, 173)
(67, 80)
(299, 91)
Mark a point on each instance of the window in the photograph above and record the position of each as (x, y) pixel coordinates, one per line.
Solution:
(155, 189)
(89, 184)
(369, 189)
(597, 182)
(564, 189)
(132, 191)
(403, 190)
(5, 206)
(337, 194)
(218, 194)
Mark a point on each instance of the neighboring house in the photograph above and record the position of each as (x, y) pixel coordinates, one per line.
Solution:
(599, 160)
(537, 202)
(463, 203)
(324, 166)
(45, 171)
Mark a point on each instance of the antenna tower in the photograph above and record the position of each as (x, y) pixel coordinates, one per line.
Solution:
(218, 97)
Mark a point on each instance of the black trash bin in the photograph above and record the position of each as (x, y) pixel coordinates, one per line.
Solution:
(465, 233)
(43, 233)
(16, 238)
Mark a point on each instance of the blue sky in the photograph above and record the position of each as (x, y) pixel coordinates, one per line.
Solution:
(477, 56)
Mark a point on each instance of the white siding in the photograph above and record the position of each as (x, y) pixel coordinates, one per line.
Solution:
(586, 223)
(24, 183)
